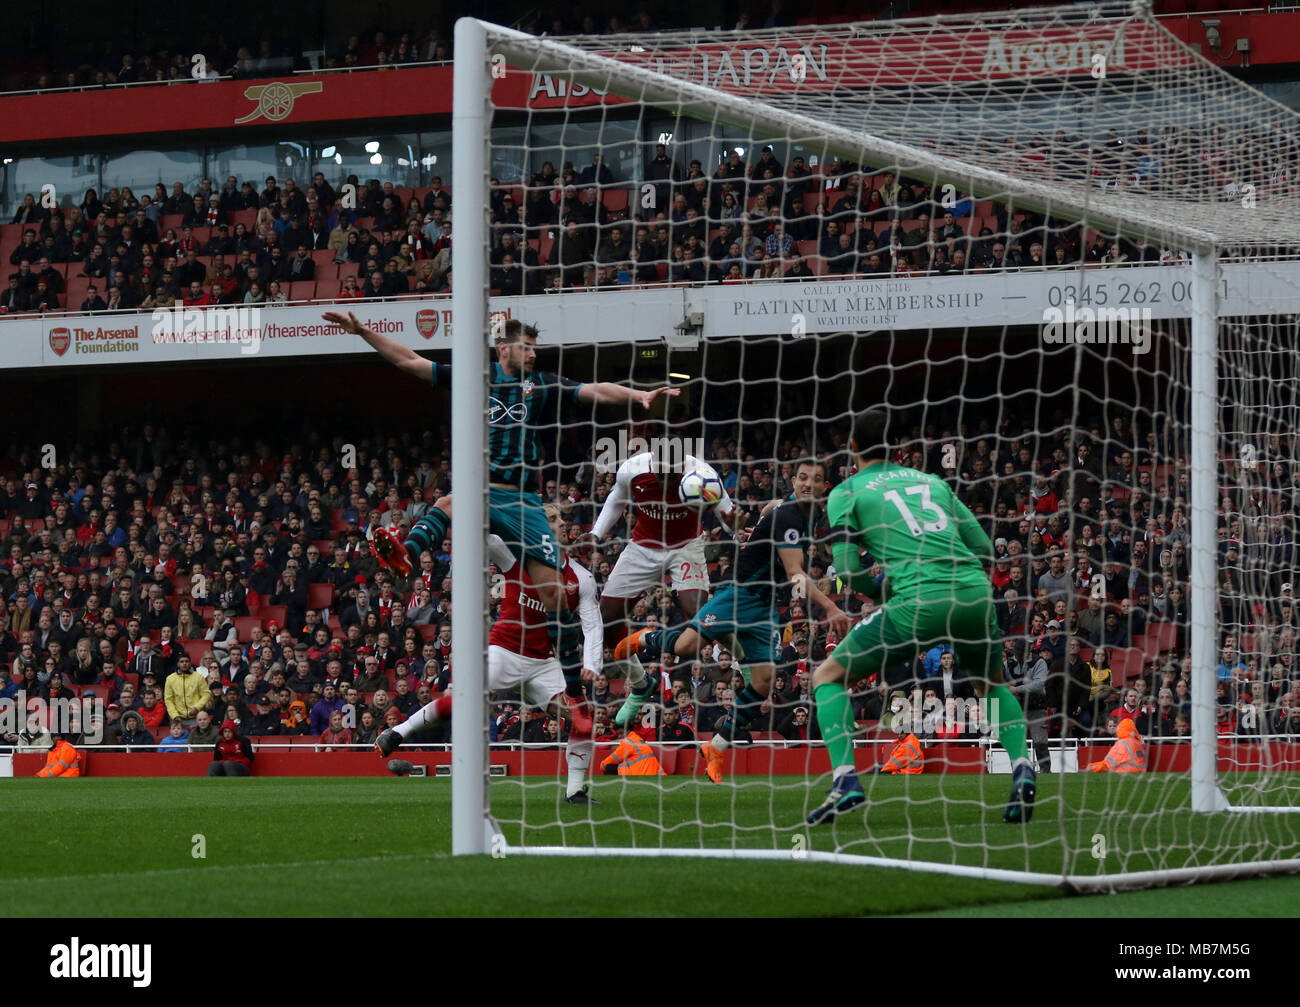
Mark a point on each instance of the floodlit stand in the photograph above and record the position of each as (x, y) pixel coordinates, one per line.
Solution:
(839, 121)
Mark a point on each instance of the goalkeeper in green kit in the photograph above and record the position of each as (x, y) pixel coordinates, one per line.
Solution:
(932, 551)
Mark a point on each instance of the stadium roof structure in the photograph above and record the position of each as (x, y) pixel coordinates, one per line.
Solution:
(1015, 105)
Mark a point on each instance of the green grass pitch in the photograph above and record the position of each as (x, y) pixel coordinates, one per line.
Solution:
(358, 847)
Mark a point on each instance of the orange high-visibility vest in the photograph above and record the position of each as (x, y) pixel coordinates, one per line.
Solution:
(1127, 755)
(63, 760)
(634, 758)
(906, 758)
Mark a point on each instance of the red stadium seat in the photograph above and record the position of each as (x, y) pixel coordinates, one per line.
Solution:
(1126, 665)
(196, 649)
(245, 624)
(616, 201)
(320, 595)
(301, 290)
(327, 289)
(76, 291)
(273, 613)
(324, 259)
(173, 220)
(427, 632)
(246, 217)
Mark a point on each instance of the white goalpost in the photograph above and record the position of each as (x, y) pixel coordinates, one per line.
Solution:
(1114, 170)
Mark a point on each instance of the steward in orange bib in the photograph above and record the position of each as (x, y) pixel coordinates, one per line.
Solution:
(63, 760)
(906, 758)
(1127, 755)
(632, 757)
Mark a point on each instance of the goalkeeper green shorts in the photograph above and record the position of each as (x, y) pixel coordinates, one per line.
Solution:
(896, 631)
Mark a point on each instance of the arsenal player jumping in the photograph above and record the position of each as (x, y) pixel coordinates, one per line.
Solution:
(666, 540)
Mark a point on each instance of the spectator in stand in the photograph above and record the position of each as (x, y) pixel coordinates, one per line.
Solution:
(204, 732)
(44, 299)
(133, 734)
(231, 755)
(1230, 667)
(178, 738)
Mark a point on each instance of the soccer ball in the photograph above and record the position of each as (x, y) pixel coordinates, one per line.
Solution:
(700, 486)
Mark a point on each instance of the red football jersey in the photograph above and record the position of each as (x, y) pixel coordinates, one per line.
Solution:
(521, 624)
(662, 521)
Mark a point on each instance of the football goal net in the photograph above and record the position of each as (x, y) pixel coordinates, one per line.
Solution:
(1057, 247)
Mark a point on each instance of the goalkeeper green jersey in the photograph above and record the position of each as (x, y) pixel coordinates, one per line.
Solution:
(926, 541)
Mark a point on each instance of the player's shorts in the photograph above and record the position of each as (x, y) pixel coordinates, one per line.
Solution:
(748, 615)
(536, 679)
(896, 631)
(640, 568)
(519, 518)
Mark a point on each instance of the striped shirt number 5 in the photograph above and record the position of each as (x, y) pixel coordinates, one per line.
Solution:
(940, 521)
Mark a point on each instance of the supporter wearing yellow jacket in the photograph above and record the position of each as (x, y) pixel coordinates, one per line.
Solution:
(186, 692)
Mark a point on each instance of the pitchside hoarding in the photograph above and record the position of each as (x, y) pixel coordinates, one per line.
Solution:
(862, 305)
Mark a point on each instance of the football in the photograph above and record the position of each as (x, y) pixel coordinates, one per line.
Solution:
(700, 486)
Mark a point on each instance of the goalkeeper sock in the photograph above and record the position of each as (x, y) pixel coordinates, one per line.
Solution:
(431, 528)
(1006, 713)
(431, 713)
(835, 718)
(578, 755)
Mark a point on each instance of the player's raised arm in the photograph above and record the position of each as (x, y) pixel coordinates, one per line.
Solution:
(848, 565)
(972, 532)
(607, 393)
(593, 626)
(792, 560)
(844, 548)
(616, 503)
(402, 357)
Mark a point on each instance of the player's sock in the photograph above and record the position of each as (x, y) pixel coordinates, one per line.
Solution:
(578, 711)
(431, 713)
(566, 634)
(578, 756)
(425, 533)
(739, 716)
(1005, 711)
(635, 673)
(835, 718)
(658, 642)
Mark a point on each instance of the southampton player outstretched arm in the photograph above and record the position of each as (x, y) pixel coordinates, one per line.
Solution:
(792, 560)
(402, 357)
(606, 393)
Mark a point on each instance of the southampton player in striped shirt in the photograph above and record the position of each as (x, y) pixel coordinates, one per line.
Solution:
(932, 551)
(521, 401)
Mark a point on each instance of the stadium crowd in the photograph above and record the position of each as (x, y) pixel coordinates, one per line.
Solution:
(186, 583)
(388, 48)
(272, 241)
